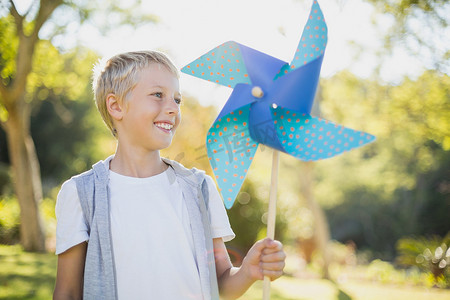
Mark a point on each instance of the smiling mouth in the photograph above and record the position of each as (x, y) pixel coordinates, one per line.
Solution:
(164, 126)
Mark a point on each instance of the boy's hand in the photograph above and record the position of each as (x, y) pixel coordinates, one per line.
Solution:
(265, 258)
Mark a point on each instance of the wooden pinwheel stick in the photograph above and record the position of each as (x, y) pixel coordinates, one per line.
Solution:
(271, 215)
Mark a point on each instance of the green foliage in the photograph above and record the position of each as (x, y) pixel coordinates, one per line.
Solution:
(246, 220)
(70, 116)
(105, 15)
(413, 25)
(409, 248)
(9, 220)
(7, 50)
(381, 271)
(64, 124)
(384, 272)
(430, 254)
(56, 73)
(398, 185)
(47, 210)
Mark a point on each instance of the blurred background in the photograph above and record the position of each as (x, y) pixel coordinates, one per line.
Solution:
(371, 223)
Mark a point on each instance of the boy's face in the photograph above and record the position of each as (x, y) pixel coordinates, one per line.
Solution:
(152, 111)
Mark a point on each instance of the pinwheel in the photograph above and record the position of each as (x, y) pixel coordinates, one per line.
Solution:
(270, 105)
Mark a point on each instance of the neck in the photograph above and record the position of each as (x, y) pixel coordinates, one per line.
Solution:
(139, 164)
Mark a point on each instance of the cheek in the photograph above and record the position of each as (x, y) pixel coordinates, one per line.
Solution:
(178, 119)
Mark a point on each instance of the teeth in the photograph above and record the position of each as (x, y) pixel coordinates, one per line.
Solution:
(164, 125)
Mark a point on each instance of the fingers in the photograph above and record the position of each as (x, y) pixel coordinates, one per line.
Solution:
(272, 246)
(273, 257)
(273, 262)
(272, 274)
(273, 266)
(265, 258)
(265, 246)
(273, 270)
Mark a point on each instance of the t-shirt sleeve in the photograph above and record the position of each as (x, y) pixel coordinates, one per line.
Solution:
(220, 225)
(71, 228)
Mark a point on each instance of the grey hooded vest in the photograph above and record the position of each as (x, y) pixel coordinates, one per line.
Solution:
(99, 272)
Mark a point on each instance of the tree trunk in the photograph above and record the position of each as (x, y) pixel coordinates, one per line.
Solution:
(26, 178)
(22, 153)
(321, 230)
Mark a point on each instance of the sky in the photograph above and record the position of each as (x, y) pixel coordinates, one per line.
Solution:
(188, 29)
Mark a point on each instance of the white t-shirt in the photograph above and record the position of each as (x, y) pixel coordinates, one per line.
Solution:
(151, 234)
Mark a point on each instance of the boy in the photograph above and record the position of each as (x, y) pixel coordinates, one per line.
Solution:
(155, 230)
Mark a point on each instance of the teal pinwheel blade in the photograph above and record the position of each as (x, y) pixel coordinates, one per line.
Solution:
(231, 150)
(223, 65)
(313, 42)
(309, 138)
(232, 63)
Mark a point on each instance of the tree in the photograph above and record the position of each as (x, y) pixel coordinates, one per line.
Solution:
(321, 237)
(420, 27)
(398, 185)
(65, 124)
(19, 43)
(15, 122)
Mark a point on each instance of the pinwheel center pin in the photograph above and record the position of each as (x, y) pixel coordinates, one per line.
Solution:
(257, 92)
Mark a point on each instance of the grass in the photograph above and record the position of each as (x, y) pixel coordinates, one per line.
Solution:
(317, 289)
(26, 275)
(32, 276)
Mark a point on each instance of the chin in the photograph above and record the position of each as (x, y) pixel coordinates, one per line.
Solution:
(165, 145)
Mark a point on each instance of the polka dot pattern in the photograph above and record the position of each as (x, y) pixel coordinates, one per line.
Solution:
(223, 65)
(230, 152)
(313, 41)
(309, 138)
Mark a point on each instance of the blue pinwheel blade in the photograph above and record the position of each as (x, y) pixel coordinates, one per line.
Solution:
(241, 96)
(297, 89)
(262, 68)
(309, 138)
(231, 150)
(262, 127)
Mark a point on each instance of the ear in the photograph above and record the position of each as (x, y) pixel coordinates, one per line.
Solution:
(114, 107)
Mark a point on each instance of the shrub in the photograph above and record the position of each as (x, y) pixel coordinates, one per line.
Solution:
(432, 255)
(381, 271)
(9, 220)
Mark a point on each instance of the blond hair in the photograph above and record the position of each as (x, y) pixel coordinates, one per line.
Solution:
(120, 74)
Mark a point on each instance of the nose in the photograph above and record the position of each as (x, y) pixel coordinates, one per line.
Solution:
(172, 108)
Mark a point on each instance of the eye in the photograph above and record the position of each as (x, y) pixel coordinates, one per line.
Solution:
(177, 101)
(158, 95)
